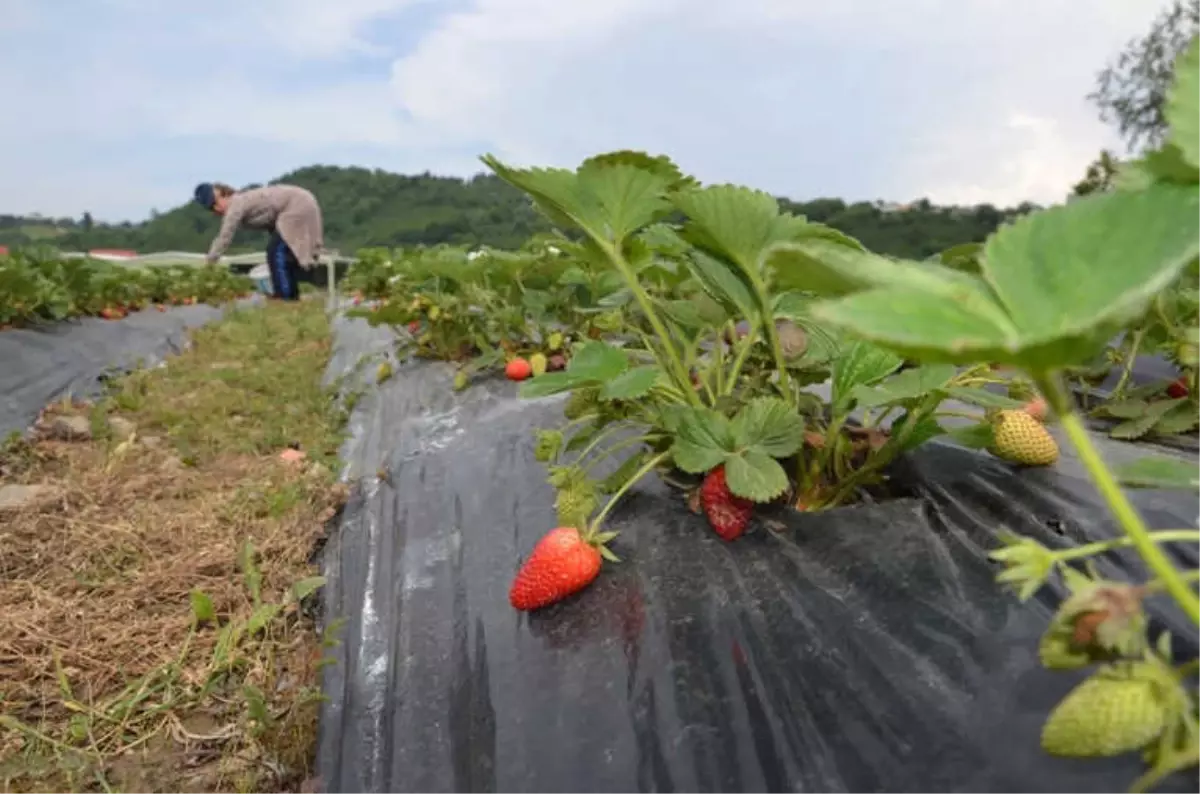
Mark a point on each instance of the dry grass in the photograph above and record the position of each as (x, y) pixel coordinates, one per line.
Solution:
(154, 633)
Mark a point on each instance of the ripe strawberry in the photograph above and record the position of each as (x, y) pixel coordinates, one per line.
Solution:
(518, 369)
(562, 563)
(1020, 438)
(727, 513)
(1178, 389)
(414, 327)
(1116, 711)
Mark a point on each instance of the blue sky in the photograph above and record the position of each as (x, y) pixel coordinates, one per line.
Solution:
(120, 106)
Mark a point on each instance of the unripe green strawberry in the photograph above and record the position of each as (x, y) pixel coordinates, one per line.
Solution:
(1020, 438)
(461, 381)
(575, 502)
(537, 363)
(548, 444)
(581, 402)
(1115, 711)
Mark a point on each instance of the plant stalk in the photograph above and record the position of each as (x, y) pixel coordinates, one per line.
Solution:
(616, 497)
(1174, 583)
(652, 317)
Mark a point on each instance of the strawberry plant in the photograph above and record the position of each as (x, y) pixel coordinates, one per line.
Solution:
(1050, 289)
(41, 286)
(708, 379)
(479, 309)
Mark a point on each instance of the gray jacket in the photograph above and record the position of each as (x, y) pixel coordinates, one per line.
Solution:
(291, 211)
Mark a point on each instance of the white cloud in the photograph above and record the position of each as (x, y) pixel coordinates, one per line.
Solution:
(957, 101)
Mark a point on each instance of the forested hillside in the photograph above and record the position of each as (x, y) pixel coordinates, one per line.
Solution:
(366, 207)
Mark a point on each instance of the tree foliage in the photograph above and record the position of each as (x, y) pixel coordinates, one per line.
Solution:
(1131, 91)
(1100, 175)
(372, 208)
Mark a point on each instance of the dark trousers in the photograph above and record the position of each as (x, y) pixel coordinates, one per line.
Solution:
(285, 270)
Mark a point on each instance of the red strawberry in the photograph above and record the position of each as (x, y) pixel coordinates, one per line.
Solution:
(562, 563)
(1178, 389)
(518, 369)
(414, 327)
(727, 513)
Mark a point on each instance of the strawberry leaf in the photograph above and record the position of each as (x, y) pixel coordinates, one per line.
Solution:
(1183, 107)
(978, 436)
(594, 363)
(1066, 272)
(723, 284)
(609, 197)
(703, 440)
(903, 386)
(918, 324)
(631, 384)
(1158, 472)
(735, 223)
(972, 395)
(925, 429)
(755, 475)
(597, 361)
(860, 364)
(551, 383)
(767, 425)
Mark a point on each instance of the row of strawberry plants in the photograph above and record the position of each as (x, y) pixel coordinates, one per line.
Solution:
(521, 311)
(44, 287)
(749, 356)
(709, 384)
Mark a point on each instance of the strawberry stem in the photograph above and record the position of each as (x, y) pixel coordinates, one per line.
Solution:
(616, 497)
(1052, 389)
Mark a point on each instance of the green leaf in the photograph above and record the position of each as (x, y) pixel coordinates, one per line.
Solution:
(202, 607)
(860, 364)
(756, 476)
(979, 436)
(919, 325)
(903, 386)
(1158, 472)
(1183, 107)
(631, 384)
(1125, 409)
(1067, 271)
(1181, 419)
(926, 428)
(735, 223)
(724, 284)
(768, 425)
(1141, 425)
(597, 361)
(306, 587)
(972, 395)
(609, 197)
(551, 383)
(826, 267)
(627, 197)
(1165, 164)
(703, 440)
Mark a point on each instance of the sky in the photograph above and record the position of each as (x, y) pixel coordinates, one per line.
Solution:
(119, 107)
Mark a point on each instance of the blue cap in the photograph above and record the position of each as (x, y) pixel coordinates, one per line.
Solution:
(205, 195)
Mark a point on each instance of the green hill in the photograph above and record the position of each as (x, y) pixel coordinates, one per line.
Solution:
(364, 207)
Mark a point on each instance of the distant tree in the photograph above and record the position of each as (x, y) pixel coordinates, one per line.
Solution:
(1131, 91)
(1099, 176)
(86, 223)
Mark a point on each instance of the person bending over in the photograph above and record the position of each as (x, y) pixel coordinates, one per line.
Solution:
(292, 216)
